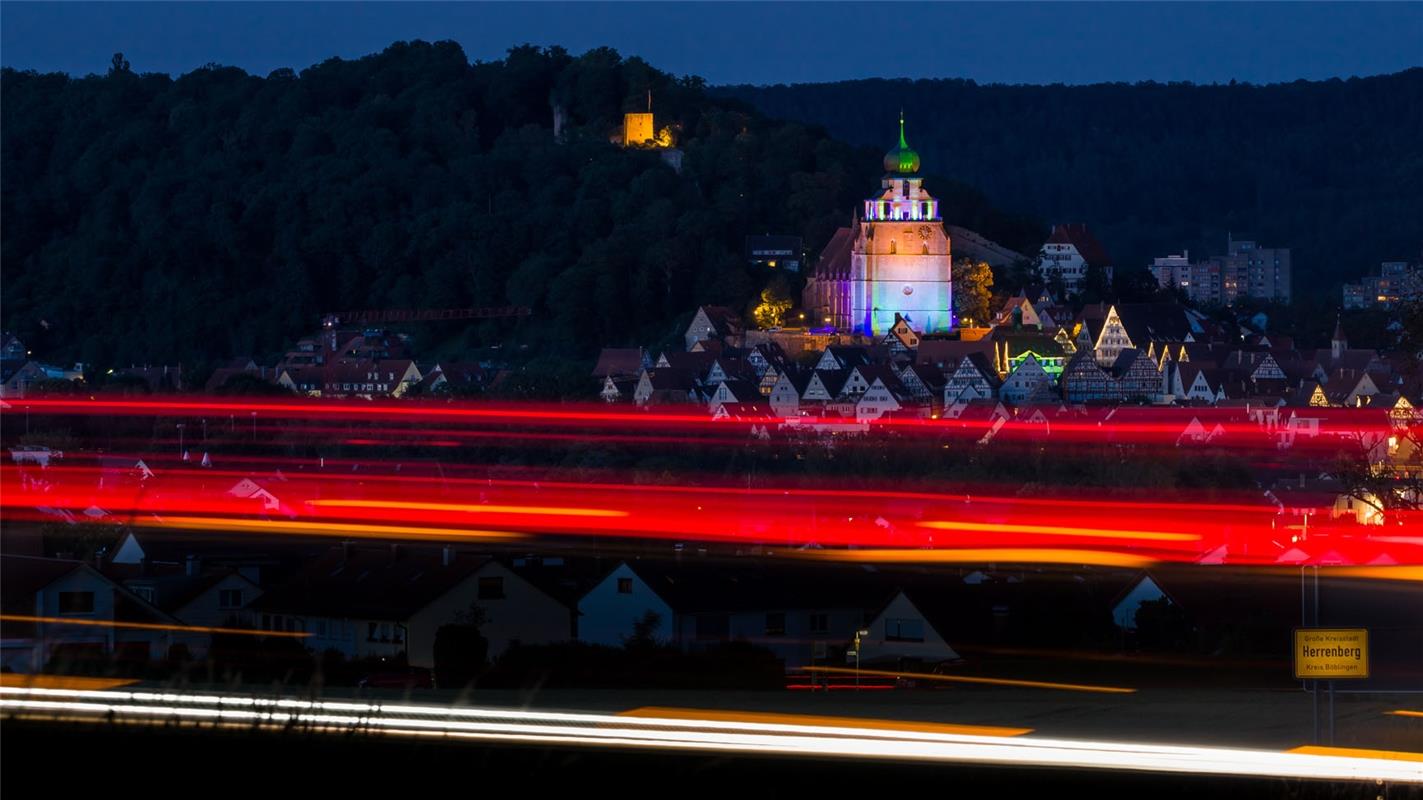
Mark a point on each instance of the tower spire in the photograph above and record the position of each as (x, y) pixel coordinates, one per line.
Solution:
(902, 144)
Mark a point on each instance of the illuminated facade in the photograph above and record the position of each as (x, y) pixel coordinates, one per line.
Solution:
(895, 262)
(638, 129)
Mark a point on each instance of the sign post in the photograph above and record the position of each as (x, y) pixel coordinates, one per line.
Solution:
(1330, 654)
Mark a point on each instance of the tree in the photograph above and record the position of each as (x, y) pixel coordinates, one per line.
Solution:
(644, 631)
(973, 291)
(119, 65)
(1161, 625)
(1096, 285)
(1139, 286)
(460, 650)
(1377, 475)
(775, 302)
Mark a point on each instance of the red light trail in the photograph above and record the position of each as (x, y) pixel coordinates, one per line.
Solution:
(351, 498)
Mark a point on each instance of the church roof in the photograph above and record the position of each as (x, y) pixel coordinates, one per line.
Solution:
(901, 160)
(834, 261)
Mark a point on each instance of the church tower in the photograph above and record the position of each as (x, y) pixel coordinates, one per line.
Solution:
(900, 261)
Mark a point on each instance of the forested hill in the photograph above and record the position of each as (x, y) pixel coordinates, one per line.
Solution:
(154, 219)
(1333, 169)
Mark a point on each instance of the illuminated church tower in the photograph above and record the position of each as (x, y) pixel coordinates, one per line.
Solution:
(896, 260)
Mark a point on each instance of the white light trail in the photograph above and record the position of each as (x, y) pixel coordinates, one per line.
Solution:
(590, 729)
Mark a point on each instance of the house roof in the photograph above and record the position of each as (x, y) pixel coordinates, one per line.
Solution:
(618, 361)
(668, 378)
(694, 362)
(743, 391)
(947, 353)
(1040, 343)
(381, 583)
(833, 380)
(1154, 322)
(715, 586)
(979, 360)
(1080, 236)
(849, 355)
(22, 577)
(723, 319)
(932, 377)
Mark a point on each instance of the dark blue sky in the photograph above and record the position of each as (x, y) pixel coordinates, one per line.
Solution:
(751, 42)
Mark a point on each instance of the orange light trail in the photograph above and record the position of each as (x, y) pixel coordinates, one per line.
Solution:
(931, 676)
(340, 529)
(1019, 555)
(150, 626)
(468, 508)
(1057, 530)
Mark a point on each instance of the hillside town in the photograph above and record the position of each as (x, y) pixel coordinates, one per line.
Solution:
(875, 338)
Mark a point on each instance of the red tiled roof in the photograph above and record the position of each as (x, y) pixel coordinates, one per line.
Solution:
(1080, 236)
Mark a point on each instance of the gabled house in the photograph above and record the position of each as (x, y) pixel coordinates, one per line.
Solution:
(786, 396)
(900, 338)
(664, 385)
(617, 390)
(215, 599)
(1083, 380)
(1019, 312)
(803, 616)
(1104, 334)
(974, 377)
(17, 375)
(366, 602)
(610, 612)
(1028, 383)
(712, 322)
(1068, 252)
(733, 391)
(876, 401)
(79, 615)
(1197, 384)
(825, 386)
(1137, 375)
(922, 382)
(837, 357)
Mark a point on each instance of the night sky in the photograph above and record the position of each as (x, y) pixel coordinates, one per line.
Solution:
(751, 42)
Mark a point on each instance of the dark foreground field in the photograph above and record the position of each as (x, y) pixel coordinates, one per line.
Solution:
(72, 760)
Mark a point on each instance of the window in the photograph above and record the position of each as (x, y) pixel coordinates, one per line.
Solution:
(146, 592)
(904, 630)
(776, 624)
(624, 585)
(76, 602)
(819, 623)
(229, 598)
(491, 588)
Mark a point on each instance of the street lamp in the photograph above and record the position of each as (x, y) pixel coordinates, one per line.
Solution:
(858, 634)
